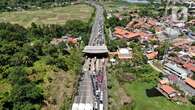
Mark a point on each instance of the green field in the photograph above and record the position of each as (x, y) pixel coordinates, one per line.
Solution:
(57, 15)
(142, 102)
(119, 5)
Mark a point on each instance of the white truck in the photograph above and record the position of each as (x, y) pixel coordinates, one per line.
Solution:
(75, 106)
(101, 96)
(88, 106)
(101, 107)
(81, 106)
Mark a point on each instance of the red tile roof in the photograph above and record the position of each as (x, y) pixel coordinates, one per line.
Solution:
(190, 82)
(113, 53)
(189, 66)
(122, 33)
(151, 22)
(151, 55)
(167, 89)
(162, 82)
(72, 40)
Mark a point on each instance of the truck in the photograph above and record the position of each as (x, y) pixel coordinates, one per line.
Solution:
(101, 107)
(88, 106)
(75, 106)
(101, 96)
(81, 106)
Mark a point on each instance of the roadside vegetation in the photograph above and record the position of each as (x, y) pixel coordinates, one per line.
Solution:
(36, 74)
(193, 28)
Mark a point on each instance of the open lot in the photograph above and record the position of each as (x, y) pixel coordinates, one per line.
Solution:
(57, 15)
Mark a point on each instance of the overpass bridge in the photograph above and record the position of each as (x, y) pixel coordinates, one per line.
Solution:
(95, 49)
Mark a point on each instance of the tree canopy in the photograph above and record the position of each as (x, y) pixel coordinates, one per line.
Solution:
(26, 53)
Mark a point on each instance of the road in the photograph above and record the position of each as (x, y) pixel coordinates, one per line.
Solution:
(97, 32)
(154, 67)
(92, 87)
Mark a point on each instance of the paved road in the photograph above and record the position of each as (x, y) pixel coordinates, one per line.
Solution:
(91, 90)
(97, 32)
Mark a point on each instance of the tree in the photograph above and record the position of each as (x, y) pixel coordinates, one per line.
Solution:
(17, 75)
(193, 100)
(115, 44)
(162, 49)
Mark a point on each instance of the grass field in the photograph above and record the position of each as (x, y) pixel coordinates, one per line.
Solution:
(118, 5)
(57, 15)
(142, 102)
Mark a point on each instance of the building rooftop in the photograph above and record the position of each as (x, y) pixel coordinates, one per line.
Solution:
(122, 33)
(167, 89)
(190, 82)
(172, 77)
(124, 53)
(192, 50)
(177, 69)
(72, 40)
(151, 55)
(180, 41)
(163, 81)
(189, 66)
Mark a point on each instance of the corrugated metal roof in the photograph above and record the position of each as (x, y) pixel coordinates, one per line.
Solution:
(176, 69)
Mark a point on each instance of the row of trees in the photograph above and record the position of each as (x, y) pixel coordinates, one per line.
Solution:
(11, 5)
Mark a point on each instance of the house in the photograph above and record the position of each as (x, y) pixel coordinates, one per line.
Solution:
(170, 68)
(122, 33)
(178, 60)
(190, 82)
(189, 66)
(72, 40)
(151, 55)
(143, 23)
(168, 90)
(172, 32)
(164, 81)
(192, 51)
(191, 22)
(113, 54)
(180, 42)
(124, 53)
